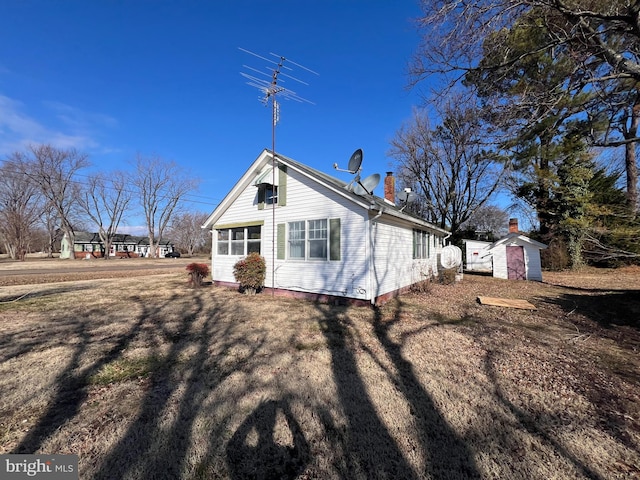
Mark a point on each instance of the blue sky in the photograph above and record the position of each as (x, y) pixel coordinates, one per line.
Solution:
(117, 78)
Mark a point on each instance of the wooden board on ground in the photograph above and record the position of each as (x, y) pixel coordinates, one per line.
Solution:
(506, 302)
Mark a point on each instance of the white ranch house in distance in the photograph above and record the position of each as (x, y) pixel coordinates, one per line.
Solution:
(320, 239)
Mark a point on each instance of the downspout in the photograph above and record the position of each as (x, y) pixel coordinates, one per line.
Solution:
(372, 266)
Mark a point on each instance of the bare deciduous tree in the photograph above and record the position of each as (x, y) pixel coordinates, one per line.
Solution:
(20, 204)
(161, 186)
(53, 172)
(186, 231)
(490, 220)
(104, 200)
(447, 163)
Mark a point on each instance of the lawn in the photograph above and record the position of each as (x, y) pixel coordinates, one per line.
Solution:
(146, 378)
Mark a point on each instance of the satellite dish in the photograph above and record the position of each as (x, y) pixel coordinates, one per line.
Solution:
(407, 196)
(355, 161)
(366, 186)
(451, 257)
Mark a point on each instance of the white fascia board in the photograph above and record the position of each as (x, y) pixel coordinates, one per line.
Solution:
(245, 180)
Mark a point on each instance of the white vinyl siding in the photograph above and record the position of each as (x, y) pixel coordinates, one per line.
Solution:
(359, 260)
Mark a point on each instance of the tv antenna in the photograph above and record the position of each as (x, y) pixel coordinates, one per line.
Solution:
(357, 185)
(271, 87)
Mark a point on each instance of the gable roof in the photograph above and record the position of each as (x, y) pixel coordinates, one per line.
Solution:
(517, 238)
(368, 202)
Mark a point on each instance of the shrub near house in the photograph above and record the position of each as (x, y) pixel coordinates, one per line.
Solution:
(250, 273)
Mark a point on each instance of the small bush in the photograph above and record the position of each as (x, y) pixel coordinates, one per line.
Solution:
(448, 276)
(250, 272)
(197, 272)
(423, 286)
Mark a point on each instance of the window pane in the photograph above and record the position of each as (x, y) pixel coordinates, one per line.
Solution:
(237, 241)
(296, 240)
(237, 234)
(237, 248)
(271, 195)
(253, 233)
(223, 242)
(253, 239)
(318, 249)
(253, 246)
(318, 239)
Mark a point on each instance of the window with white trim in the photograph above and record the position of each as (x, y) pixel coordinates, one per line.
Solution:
(312, 240)
(297, 241)
(318, 239)
(421, 244)
(239, 240)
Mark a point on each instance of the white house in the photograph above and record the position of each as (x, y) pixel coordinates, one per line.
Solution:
(318, 237)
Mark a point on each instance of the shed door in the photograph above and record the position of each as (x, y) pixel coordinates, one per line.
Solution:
(515, 263)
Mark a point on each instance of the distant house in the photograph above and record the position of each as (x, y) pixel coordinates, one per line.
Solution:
(320, 239)
(89, 245)
(514, 256)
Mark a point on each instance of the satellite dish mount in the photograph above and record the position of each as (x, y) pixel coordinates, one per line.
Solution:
(358, 185)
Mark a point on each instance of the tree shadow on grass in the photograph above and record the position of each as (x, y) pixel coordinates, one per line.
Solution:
(73, 381)
(447, 455)
(178, 389)
(369, 448)
(254, 453)
(531, 424)
(607, 308)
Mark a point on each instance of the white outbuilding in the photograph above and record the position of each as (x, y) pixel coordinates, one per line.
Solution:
(516, 256)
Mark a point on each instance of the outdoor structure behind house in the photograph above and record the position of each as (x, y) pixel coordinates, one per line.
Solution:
(88, 245)
(320, 238)
(513, 257)
(477, 257)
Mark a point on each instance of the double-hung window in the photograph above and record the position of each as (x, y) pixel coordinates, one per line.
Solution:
(421, 244)
(310, 240)
(297, 240)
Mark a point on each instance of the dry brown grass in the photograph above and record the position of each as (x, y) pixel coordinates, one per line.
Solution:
(157, 380)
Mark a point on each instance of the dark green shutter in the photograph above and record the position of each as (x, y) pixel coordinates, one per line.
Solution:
(334, 239)
(261, 197)
(282, 185)
(281, 242)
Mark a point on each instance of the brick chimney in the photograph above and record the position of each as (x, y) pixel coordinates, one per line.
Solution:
(390, 188)
(513, 225)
